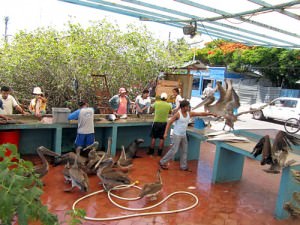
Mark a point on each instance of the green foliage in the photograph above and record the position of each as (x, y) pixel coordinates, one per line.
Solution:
(52, 59)
(75, 216)
(281, 66)
(20, 190)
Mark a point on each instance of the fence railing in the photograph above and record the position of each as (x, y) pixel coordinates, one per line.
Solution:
(251, 92)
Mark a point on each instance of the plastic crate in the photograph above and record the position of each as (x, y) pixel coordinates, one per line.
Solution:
(60, 115)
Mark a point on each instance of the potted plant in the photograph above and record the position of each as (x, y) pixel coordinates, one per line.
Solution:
(20, 190)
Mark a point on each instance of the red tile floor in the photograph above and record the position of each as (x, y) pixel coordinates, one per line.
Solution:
(249, 201)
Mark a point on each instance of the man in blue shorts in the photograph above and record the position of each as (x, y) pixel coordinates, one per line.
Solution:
(85, 131)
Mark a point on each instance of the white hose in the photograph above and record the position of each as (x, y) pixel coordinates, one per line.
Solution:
(109, 194)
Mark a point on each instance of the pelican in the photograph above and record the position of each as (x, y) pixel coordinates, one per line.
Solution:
(78, 178)
(230, 118)
(291, 209)
(70, 156)
(123, 162)
(218, 108)
(276, 154)
(296, 175)
(43, 169)
(93, 159)
(66, 173)
(151, 190)
(93, 146)
(109, 176)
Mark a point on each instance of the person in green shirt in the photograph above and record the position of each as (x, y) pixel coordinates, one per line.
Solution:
(161, 111)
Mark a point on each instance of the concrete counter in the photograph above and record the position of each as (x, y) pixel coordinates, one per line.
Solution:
(60, 136)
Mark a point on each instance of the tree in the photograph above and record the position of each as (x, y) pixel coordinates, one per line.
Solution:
(52, 59)
(281, 66)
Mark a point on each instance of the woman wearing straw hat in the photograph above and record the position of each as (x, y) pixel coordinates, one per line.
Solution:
(38, 104)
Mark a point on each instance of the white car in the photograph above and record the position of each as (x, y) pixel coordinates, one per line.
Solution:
(281, 108)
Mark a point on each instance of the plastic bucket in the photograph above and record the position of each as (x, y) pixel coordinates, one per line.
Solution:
(235, 111)
(199, 124)
(10, 136)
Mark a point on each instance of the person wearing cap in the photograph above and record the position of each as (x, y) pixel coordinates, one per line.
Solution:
(38, 104)
(85, 130)
(180, 120)
(9, 102)
(120, 103)
(161, 111)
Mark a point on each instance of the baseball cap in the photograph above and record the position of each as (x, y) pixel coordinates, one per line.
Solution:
(163, 96)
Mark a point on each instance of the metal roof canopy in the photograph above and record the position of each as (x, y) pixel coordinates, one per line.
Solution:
(252, 22)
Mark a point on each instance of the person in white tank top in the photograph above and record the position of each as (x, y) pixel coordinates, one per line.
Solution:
(181, 119)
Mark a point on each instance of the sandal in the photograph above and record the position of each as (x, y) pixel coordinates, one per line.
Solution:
(186, 169)
(162, 166)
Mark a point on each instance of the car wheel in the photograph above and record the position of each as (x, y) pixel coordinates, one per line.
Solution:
(258, 115)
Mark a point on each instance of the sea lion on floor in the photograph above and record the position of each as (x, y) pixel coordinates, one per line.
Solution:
(132, 148)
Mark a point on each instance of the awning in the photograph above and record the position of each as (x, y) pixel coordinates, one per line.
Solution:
(270, 23)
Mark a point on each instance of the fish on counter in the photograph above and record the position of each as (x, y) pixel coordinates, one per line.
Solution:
(9, 121)
(111, 117)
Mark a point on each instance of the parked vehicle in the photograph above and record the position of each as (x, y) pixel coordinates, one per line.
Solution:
(281, 108)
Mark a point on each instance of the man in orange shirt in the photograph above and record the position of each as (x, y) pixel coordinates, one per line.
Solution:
(120, 103)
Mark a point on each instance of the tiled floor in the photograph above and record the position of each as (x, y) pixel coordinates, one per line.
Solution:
(250, 201)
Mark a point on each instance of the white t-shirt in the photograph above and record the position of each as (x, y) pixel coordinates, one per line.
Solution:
(178, 99)
(143, 102)
(8, 105)
(86, 121)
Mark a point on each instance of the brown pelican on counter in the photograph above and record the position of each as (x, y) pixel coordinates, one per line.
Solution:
(43, 169)
(132, 148)
(123, 162)
(293, 209)
(109, 176)
(78, 178)
(229, 116)
(276, 154)
(151, 190)
(296, 175)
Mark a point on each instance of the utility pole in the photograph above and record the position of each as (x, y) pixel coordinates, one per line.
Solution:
(6, 19)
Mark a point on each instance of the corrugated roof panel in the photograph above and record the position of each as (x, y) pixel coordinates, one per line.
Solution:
(254, 22)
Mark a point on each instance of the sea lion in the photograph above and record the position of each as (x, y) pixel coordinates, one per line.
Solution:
(132, 148)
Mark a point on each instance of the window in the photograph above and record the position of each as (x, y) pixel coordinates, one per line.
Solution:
(196, 82)
(290, 103)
